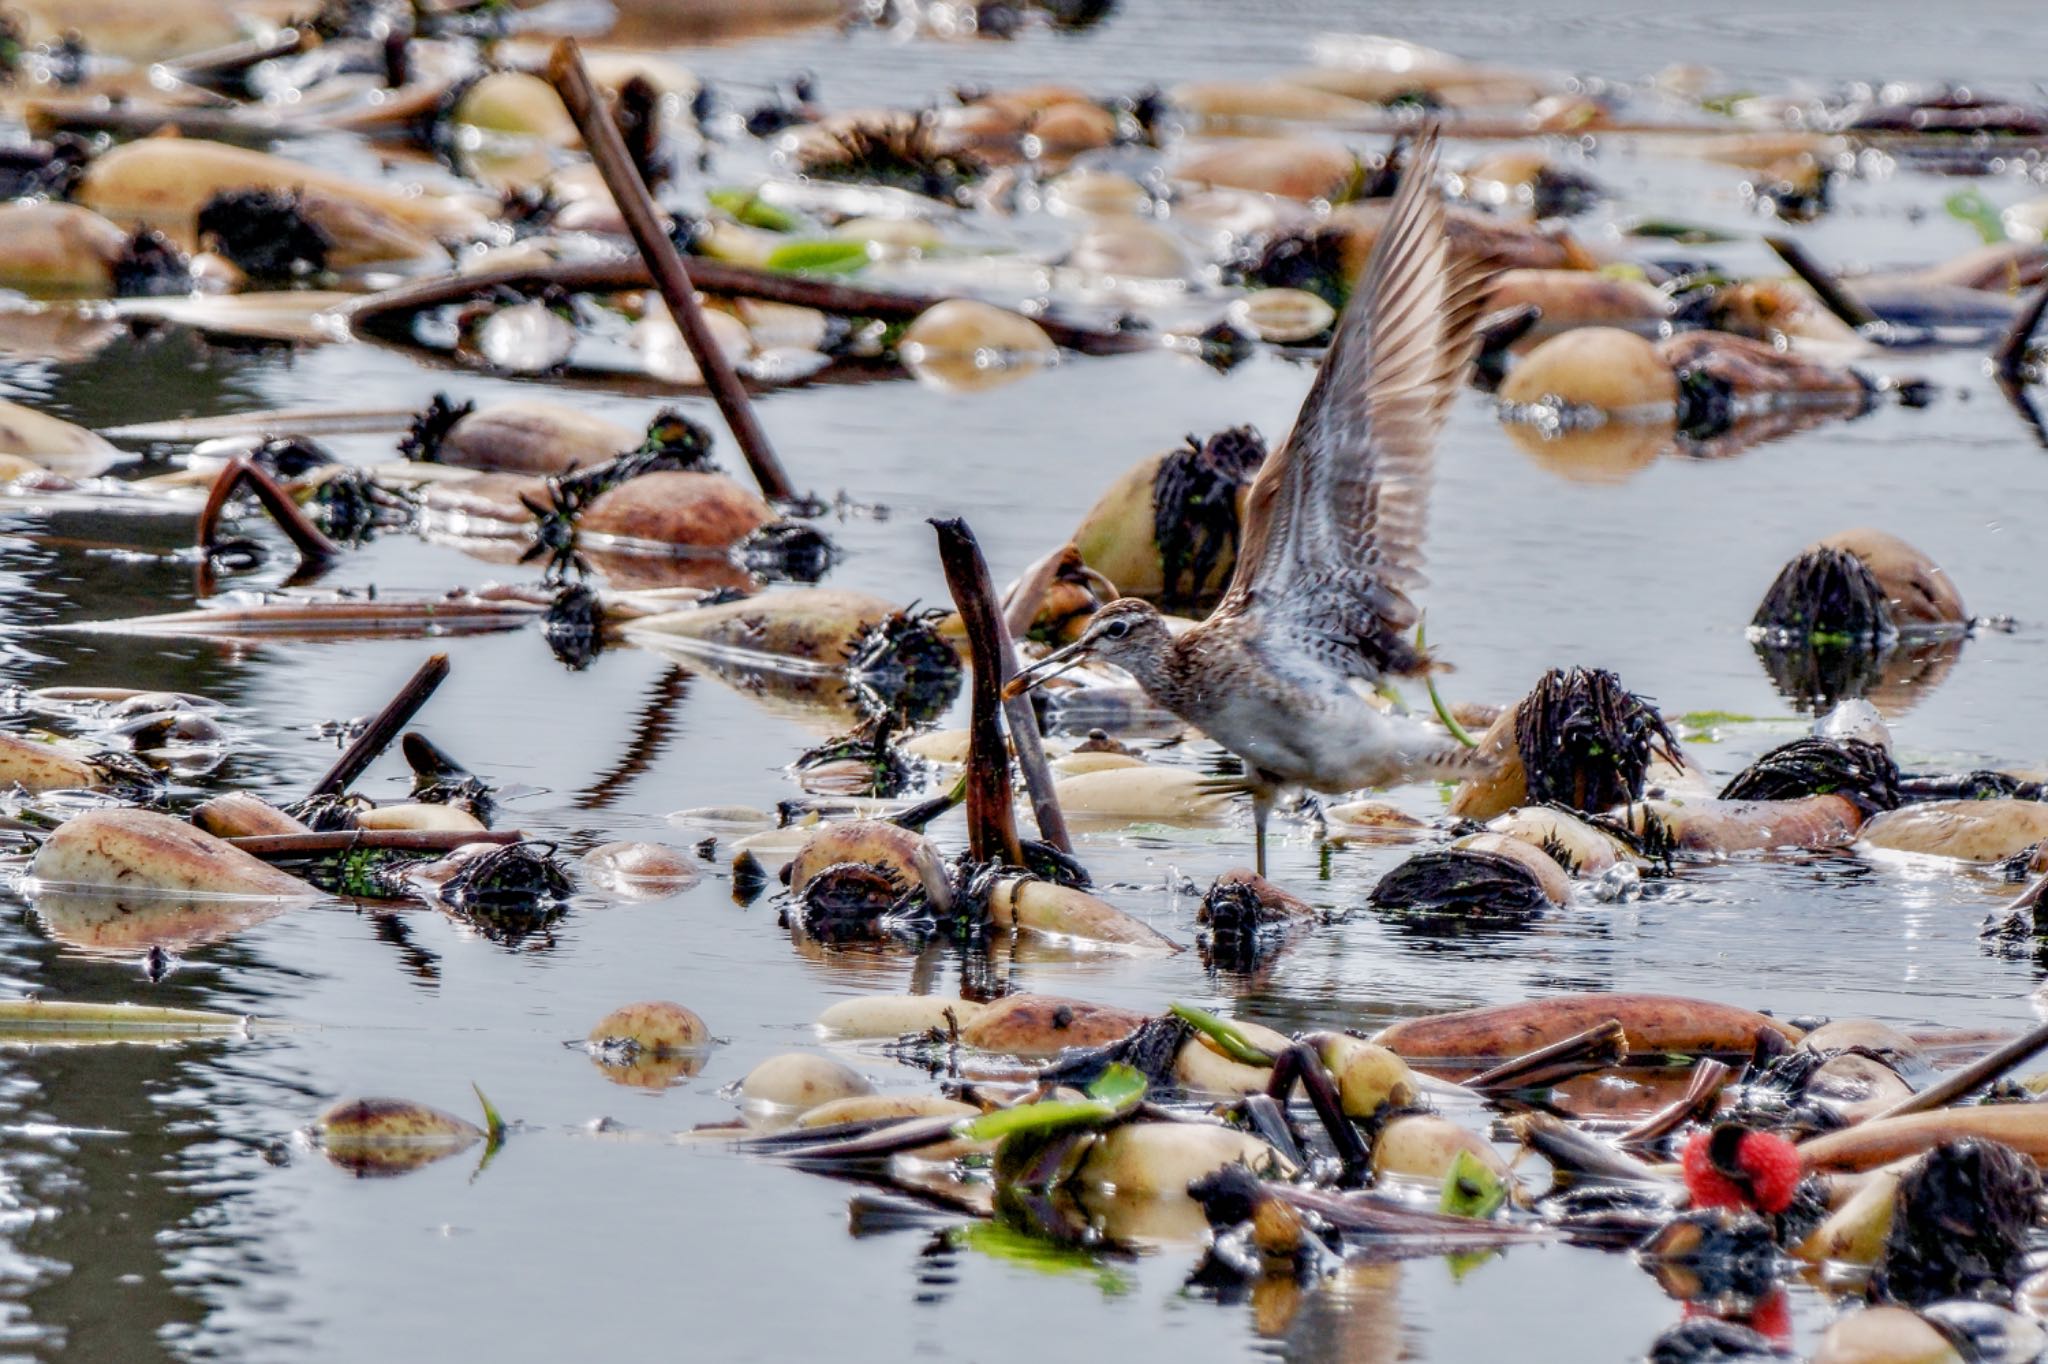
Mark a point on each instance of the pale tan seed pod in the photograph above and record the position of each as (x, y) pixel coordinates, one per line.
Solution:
(870, 1016)
(1283, 316)
(1968, 830)
(966, 344)
(1617, 372)
(1044, 1025)
(1160, 1159)
(796, 1082)
(1424, 1146)
(1062, 911)
(137, 850)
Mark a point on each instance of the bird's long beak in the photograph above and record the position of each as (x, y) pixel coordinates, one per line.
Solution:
(1047, 668)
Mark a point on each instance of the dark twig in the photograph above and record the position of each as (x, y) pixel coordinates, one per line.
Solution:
(665, 263)
(384, 727)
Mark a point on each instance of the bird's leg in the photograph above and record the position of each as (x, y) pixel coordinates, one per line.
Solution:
(1262, 806)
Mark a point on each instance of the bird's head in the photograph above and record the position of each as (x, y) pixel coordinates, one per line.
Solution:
(1128, 632)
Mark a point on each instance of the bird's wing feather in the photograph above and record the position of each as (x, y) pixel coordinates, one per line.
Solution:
(1332, 539)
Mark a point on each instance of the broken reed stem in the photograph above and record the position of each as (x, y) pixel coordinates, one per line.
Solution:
(1979, 1072)
(1702, 1096)
(608, 150)
(280, 846)
(313, 546)
(384, 726)
(1023, 721)
(1826, 287)
(1598, 1047)
(991, 814)
(386, 314)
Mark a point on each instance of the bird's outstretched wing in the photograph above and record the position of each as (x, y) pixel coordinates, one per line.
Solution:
(1332, 538)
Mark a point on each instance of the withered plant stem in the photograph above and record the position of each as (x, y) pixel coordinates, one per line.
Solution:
(1979, 1072)
(601, 136)
(313, 546)
(956, 540)
(278, 846)
(991, 816)
(385, 314)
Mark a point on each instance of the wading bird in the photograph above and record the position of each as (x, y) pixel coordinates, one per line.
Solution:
(1317, 611)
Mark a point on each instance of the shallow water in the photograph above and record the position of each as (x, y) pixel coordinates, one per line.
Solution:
(154, 1204)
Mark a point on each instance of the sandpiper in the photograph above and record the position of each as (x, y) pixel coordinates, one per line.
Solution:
(1318, 611)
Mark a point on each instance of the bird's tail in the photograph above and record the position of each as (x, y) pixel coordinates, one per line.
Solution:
(1453, 761)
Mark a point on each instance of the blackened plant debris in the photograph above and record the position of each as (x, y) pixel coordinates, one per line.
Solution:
(1458, 886)
(903, 666)
(1151, 1050)
(1709, 1340)
(127, 776)
(1312, 261)
(638, 114)
(1713, 1253)
(1860, 772)
(48, 169)
(1961, 1225)
(509, 891)
(904, 153)
(1826, 596)
(685, 442)
(422, 440)
(438, 779)
(1194, 508)
(569, 495)
(857, 902)
(291, 457)
(786, 551)
(1586, 742)
(266, 233)
(889, 771)
(150, 266)
(326, 813)
(574, 626)
(350, 505)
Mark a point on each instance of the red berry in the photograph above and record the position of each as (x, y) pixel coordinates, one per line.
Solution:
(1709, 1187)
(1772, 1164)
(1765, 1172)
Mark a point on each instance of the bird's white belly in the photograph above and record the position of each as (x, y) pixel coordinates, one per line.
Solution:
(1341, 743)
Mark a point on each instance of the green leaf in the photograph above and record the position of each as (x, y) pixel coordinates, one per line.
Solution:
(494, 1122)
(746, 206)
(1970, 206)
(1112, 1096)
(821, 257)
(1224, 1034)
(1472, 1190)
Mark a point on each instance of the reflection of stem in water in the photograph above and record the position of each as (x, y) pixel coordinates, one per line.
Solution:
(422, 965)
(657, 722)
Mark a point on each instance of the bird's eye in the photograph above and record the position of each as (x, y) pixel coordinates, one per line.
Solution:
(1117, 629)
